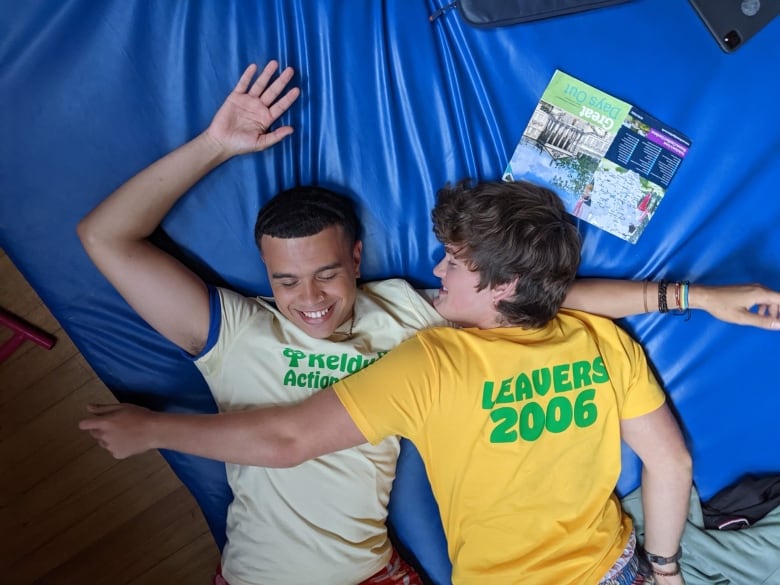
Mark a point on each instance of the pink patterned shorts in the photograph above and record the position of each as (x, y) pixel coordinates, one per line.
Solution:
(396, 572)
(625, 571)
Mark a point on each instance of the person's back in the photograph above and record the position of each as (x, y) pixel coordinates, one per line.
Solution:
(520, 432)
(520, 414)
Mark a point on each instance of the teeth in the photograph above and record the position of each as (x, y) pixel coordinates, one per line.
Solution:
(315, 314)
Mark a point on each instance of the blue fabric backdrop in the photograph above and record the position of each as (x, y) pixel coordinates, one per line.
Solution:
(393, 106)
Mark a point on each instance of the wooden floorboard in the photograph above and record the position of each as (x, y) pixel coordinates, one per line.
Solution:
(69, 513)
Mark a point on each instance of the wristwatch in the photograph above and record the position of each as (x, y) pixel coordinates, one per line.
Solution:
(658, 560)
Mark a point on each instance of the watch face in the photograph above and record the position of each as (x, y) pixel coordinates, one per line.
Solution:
(659, 560)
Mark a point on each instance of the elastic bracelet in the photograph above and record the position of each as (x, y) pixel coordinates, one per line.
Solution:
(662, 308)
(681, 298)
(677, 296)
(659, 560)
(644, 295)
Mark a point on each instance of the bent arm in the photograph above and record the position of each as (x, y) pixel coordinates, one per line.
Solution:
(164, 292)
(270, 437)
(732, 304)
(666, 481)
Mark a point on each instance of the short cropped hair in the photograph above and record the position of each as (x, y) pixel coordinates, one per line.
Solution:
(508, 230)
(306, 211)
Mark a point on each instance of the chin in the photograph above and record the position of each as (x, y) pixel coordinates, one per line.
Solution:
(318, 332)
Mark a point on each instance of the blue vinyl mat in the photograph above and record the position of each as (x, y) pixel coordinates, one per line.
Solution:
(393, 106)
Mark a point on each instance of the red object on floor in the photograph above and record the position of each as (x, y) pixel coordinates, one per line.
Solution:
(22, 331)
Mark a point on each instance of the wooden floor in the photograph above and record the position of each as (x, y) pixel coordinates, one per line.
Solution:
(69, 513)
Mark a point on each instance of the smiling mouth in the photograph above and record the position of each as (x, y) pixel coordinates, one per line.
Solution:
(316, 314)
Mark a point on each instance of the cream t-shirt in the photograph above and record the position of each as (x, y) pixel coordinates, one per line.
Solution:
(322, 522)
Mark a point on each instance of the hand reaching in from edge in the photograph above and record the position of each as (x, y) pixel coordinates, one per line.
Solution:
(733, 304)
(242, 124)
(121, 429)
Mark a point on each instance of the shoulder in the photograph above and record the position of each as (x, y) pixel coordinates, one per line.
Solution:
(596, 325)
(615, 344)
(398, 297)
(237, 309)
(389, 287)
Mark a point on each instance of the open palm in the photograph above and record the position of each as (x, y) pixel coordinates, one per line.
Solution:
(242, 124)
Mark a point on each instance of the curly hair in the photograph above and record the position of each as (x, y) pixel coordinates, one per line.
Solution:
(507, 231)
(305, 211)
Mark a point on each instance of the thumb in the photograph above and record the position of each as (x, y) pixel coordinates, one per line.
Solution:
(99, 409)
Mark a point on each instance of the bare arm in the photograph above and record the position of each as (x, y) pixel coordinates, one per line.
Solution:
(164, 292)
(731, 304)
(666, 482)
(270, 437)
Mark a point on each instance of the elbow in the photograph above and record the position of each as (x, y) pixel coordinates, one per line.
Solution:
(676, 467)
(685, 466)
(284, 451)
(288, 453)
(680, 464)
(86, 233)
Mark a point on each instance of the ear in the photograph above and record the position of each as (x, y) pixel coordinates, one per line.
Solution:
(357, 251)
(502, 292)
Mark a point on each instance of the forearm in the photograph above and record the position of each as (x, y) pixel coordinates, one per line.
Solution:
(134, 211)
(621, 298)
(665, 500)
(259, 437)
(280, 436)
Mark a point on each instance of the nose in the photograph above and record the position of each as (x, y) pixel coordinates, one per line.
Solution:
(311, 293)
(438, 270)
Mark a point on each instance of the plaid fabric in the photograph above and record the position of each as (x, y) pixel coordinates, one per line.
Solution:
(218, 578)
(396, 572)
(625, 571)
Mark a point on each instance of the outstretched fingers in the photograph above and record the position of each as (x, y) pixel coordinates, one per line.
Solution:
(260, 84)
(269, 95)
(246, 77)
(281, 105)
(273, 97)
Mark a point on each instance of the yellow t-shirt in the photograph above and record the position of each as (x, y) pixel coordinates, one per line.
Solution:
(520, 433)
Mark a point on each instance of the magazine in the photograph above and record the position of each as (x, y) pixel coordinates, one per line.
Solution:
(610, 162)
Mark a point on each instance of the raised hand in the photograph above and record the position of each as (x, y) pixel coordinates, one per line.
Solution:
(243, 122)
(121, 429)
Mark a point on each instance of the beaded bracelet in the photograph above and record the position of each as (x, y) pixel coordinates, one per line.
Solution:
(662, 308)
